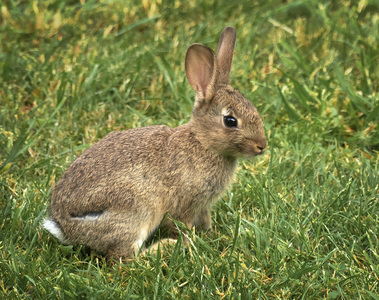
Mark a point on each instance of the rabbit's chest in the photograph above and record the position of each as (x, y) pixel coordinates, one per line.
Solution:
(206, 179)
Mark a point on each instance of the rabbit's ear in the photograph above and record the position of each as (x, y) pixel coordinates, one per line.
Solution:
(200, 67)
(225, 54)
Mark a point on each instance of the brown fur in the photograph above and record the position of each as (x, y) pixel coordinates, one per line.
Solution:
(118, 191)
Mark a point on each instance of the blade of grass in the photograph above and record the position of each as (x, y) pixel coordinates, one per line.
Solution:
(291, 112)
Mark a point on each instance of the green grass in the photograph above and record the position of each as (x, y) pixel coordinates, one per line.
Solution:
(301, 222)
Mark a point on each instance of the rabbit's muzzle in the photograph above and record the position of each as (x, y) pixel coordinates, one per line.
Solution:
(254, 147)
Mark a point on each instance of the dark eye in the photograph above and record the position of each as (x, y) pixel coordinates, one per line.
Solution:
(230, 121)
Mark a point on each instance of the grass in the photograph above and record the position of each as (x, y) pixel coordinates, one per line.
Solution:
(301, 222)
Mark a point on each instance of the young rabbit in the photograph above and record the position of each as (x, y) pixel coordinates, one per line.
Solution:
(116, 194)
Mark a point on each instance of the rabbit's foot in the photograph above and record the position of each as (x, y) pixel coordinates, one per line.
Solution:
(153, 249)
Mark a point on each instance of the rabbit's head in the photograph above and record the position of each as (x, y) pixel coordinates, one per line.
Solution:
(223, 119)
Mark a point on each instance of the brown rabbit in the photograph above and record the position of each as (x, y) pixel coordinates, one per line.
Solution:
(114, 195)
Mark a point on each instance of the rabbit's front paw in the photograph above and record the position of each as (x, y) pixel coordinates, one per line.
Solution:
(203, 220)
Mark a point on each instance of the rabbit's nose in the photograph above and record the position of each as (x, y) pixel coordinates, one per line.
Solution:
(261, 145)
(261, 148)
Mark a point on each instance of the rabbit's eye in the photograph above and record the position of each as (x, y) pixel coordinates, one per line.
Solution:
(230, 121)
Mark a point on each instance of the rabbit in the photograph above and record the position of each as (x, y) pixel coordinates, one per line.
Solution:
(115, 195)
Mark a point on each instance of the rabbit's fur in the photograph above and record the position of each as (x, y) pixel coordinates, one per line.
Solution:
(118, 191)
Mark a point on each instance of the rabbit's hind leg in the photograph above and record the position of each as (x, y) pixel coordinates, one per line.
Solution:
(129, 240)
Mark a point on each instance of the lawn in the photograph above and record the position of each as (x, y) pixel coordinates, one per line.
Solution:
(299, 222)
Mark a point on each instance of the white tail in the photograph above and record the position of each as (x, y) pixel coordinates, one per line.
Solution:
(54, 229)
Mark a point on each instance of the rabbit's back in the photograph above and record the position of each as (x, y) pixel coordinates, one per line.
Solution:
(110, 170)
